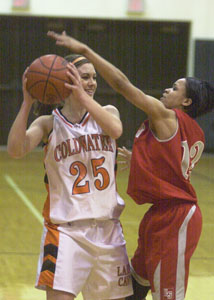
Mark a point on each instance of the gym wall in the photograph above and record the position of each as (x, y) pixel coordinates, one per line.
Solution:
(204, 62)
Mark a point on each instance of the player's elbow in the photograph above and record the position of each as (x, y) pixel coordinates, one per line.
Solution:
(14, 153)
(116, 132)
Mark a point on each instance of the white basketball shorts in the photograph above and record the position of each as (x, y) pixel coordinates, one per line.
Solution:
(86, 256)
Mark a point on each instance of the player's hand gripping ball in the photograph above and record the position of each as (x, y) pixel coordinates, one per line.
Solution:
(46, 79)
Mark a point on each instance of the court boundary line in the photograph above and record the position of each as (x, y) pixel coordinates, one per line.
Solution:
(24, 198)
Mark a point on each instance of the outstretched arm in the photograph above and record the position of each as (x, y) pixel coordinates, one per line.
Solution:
(115, 78)
(162, 120)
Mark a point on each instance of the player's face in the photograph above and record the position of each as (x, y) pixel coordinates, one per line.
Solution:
(88, 78)
(175, 96)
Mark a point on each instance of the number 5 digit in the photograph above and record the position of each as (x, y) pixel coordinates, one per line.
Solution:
(97, 169)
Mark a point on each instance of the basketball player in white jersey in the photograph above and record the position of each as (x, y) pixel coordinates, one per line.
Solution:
(83, 247)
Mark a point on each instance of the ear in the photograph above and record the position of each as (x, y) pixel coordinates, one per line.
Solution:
(187, 102)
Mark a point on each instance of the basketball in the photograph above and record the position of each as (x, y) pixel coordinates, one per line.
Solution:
(46, 79)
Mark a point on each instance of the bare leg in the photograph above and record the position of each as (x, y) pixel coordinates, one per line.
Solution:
(58, 295)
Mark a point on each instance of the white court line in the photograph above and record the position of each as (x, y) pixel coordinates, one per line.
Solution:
(24, 198)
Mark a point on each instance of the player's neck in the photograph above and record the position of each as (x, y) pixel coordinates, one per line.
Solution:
(73, 113)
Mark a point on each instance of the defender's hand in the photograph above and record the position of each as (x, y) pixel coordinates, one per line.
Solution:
(125, 156)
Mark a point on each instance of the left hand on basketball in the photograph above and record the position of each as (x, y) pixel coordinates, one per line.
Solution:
(67, 41)
(75, 86)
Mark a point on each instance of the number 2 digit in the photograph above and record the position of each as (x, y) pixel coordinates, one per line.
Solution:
(78, 168)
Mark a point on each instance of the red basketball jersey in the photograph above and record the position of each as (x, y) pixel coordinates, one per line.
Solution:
(160, 169)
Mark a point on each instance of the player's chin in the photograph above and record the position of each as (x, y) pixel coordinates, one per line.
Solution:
(163, 101)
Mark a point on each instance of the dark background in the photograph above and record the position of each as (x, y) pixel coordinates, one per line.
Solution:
(204, 69)
(152, 54)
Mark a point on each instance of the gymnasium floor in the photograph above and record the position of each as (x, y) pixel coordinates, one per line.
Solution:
(21, 200)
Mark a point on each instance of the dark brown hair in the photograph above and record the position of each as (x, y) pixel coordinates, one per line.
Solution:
(202, 94)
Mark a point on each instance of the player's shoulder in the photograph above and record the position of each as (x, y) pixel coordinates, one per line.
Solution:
(112, 109)
(45, 121)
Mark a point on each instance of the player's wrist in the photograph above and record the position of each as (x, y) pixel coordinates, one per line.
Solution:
(85, 50)
(27, 103)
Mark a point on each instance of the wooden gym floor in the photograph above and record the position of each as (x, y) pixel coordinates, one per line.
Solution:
(22, 194)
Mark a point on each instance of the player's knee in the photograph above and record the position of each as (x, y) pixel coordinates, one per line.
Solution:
(139, 290)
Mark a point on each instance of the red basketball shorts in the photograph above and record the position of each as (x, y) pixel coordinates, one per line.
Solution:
(168, 236)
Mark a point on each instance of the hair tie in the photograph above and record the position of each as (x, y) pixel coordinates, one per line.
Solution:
(78, 59)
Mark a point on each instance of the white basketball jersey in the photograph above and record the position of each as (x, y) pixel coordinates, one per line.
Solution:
(80, 162)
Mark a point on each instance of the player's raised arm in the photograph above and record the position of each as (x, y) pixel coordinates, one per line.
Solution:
(115, 78)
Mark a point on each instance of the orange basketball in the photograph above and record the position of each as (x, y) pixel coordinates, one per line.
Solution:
(46, 79)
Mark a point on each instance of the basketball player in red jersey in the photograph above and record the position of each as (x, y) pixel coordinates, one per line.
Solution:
(166, 148)
(83, 247)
